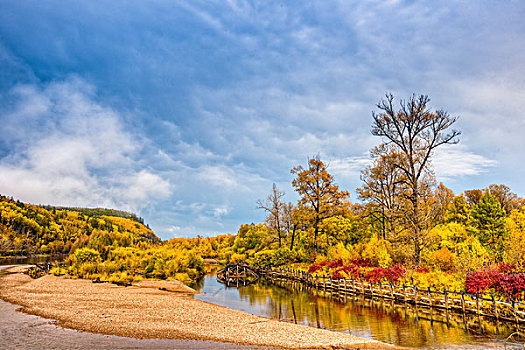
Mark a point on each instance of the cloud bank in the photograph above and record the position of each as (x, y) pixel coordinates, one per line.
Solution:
(68, 150)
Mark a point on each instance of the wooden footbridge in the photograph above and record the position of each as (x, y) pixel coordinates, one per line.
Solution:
(238, 275)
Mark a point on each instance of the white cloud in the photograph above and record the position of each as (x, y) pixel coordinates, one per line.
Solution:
(350, 167)
(454, 161)
(73, 151)
(220, 211)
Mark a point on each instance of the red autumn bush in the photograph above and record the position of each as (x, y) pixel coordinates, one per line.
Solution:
(390, 274)
(511, 285)
(314, 268)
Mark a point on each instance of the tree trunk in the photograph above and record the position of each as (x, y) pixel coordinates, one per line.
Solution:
(417, 228)
(293, 236)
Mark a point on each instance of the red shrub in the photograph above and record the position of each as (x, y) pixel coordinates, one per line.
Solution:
(376, 274)
(361, 262)
(314, 267)
(337, 275)
(479, 281)
(335, 264)
(393, 273)
(513, 285)
(510, 284)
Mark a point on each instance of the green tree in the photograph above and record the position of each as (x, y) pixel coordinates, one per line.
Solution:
(487, 222)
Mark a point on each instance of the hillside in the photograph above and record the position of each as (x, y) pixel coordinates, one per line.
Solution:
(30, 229)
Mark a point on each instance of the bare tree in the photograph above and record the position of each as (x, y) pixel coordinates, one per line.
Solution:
(415, 132)
(275, 207)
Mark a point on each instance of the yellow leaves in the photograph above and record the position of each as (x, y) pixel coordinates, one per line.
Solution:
(377, 251)
(444, 259)
(449, 235)
(339, 252)
(515, 223)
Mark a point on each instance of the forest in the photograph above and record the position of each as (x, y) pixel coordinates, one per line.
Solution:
(404, 228)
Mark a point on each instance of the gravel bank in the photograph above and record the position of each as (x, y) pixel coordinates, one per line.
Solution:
(146, 312)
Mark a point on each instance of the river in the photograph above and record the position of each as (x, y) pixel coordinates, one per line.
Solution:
(373, 319)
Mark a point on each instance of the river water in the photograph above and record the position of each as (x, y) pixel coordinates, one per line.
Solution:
(373, 319)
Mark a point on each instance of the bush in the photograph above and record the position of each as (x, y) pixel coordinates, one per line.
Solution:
(497, 279)
(443, 259)
(85, 255)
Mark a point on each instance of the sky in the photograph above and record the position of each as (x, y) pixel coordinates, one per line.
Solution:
(186, 112)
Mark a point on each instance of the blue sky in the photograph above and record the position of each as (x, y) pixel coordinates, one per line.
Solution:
(186, 112)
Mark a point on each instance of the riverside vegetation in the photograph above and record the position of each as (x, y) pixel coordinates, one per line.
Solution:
(405, 229)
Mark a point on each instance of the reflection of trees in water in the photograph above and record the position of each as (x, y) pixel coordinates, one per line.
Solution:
(209, 271)
(375, 318)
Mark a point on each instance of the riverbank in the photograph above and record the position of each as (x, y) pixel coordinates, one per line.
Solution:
(144, 311)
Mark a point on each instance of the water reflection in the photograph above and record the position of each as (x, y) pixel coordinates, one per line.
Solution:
(31, 260)
(369, 318)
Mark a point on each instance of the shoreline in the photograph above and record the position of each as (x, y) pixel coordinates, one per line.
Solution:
(146, 312)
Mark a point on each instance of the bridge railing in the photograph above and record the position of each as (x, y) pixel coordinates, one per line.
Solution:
(461, 302)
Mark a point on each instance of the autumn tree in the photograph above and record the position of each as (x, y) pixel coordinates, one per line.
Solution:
(382, 185)
(473, 196)
(320, 197)
(414, 131)
(444, 199)
(503, 194)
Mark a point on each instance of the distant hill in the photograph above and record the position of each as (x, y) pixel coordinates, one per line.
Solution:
(31, 229)
(99, 212)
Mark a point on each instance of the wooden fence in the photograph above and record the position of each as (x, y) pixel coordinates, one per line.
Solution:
(460, 302)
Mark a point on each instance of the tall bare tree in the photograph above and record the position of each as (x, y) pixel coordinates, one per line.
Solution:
(276, 209)
(414, 131)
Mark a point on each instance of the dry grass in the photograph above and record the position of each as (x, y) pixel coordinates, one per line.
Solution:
(144, 311)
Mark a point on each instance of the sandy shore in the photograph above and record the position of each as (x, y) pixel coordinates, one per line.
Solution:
(144, 311)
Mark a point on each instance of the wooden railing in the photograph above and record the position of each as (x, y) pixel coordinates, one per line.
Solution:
(459, 302)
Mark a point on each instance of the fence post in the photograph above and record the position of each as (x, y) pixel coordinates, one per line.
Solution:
(392, 291)
(514, 310)
(463, 302)
(363, 285)
(415, 294)
(429, 297)
(446, 297)
(477, 304)
(495, 308)
(353, 287)
(404, 293)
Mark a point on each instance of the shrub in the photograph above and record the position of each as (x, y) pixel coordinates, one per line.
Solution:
(443, 259)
